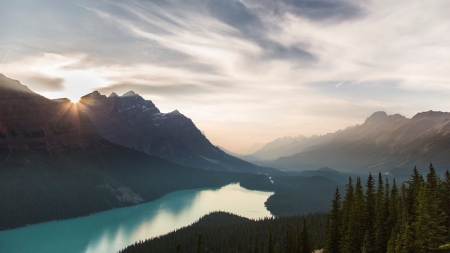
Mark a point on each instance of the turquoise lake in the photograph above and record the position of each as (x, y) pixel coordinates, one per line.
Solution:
(113, 230)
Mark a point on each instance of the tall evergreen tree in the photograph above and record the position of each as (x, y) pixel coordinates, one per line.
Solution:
(255, 245)
(393, 209)
(199, 244)
(370, 219)
(445, 200)
(270, 248)
(288, 240)
(333, 236)
(392, 219)
(347, 204)
(409, 212)
(429, 225)
(414, 184)
(357, 226)
(360, 211)
(306, 244)
(380, 216)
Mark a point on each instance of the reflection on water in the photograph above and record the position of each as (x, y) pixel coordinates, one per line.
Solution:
(113, 230)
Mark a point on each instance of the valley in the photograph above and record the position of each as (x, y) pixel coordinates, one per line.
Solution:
(65, 164)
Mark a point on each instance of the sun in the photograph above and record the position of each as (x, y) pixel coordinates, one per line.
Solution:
(74, 100)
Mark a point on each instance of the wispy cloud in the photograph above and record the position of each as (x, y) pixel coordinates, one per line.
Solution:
(268, 68)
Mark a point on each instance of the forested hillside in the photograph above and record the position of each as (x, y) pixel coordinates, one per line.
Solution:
(297, 195)
(223, 232)
(414, 217)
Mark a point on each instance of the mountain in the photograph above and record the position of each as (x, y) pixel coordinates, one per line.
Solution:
(229, 152)
(272, 149)
(382, 143)
(53, 164)
(131, 121)
(25, 122)
(254, 147)
(288, 146)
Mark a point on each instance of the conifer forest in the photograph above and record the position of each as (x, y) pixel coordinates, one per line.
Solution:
(376, 216)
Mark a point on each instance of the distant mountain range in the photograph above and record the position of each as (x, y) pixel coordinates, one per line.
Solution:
(131, 121)
(54, 165)
(288, 145)
(253, 148)
(382, 143)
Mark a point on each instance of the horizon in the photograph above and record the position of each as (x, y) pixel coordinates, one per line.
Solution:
(243, 71)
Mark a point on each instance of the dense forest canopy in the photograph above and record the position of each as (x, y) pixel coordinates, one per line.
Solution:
(377, 216)
(411, 218)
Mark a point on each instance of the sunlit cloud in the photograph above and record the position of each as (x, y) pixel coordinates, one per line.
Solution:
(244, 71)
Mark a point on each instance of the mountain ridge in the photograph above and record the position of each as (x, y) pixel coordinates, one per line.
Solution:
(382, 143)
(54, 165)
(134, 122)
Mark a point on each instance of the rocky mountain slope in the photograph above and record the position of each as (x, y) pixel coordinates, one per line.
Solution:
(382, 143)
(131, 121)
(53, 164)
(288, 146)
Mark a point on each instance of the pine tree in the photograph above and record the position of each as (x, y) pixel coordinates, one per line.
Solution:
(399, 244)
(288, 241)
(414, 184)
(445, 200)
(429, 225)
(391, 243)
(199, 244)
(370, 219)
(360, 212)
(270, 248)
(306, 244)
(357, 226)
(346, 244)
(365, 246)
(393, 208)
(255, 245)
(333, 236)
(386, 227)
(407, 234)
(178, 249)
(380, 216)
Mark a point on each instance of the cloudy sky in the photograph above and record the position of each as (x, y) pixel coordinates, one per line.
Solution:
(244, 71)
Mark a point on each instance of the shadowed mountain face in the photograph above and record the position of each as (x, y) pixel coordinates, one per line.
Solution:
(131, 121)
(53, 164)
(31, 122)
(382, 143)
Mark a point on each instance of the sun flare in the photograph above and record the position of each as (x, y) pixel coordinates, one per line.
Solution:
(74, 100)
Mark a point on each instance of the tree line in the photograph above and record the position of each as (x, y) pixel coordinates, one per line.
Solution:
(411, 218)
(223, 232)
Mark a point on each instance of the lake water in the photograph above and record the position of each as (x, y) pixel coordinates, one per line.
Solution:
(113, 230)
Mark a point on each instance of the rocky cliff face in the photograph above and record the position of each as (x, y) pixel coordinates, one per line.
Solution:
(31, 122)
(134, 122)
(382, 143)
